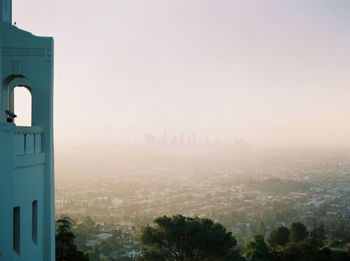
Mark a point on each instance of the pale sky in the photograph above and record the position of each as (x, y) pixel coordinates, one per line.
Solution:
(269, 71)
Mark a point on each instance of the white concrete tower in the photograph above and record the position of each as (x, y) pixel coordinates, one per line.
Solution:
(27, 228)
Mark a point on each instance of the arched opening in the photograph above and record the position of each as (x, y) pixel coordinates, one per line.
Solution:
(22, 106)
(17, 99)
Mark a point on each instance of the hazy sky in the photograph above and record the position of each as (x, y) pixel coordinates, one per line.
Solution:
(270, 71)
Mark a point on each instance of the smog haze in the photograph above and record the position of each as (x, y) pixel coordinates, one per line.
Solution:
(274, 73)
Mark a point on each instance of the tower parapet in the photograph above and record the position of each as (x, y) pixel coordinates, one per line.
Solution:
(6, 11)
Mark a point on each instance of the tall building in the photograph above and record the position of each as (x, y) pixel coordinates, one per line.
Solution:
(26, 153)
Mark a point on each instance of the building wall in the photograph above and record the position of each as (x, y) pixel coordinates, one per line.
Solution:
(26, 175)
(6, 164)
(28, 186)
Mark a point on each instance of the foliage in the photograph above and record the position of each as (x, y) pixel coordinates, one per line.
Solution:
(112, 244)
(93, 255)
(155, 254)
(66, 250)
(193, 239)
(318, 234)
(306, 251)
(298, 232)
(257, 249)
(86, 230)
(184, 238)
(279, 237)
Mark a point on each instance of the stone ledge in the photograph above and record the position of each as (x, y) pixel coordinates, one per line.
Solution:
(23, 161)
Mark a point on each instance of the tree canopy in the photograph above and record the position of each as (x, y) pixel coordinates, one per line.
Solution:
(257, 249)
(318, 234)
(192, 239)
(298, 232)
(66, 250)
(279, 237)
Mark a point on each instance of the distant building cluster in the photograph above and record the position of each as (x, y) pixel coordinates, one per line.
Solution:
(151, 139)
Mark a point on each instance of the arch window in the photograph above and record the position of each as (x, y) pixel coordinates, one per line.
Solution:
(22, 106)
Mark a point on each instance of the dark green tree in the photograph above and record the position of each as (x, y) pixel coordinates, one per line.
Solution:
(112, 244)
(66, 250)
(155, 254)
(279, 237)
(318, 234)
(93, 255)
(183, 238)
(257, 249)
(84, 231)
(338, 230)
(297, 232)
(307, 251)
